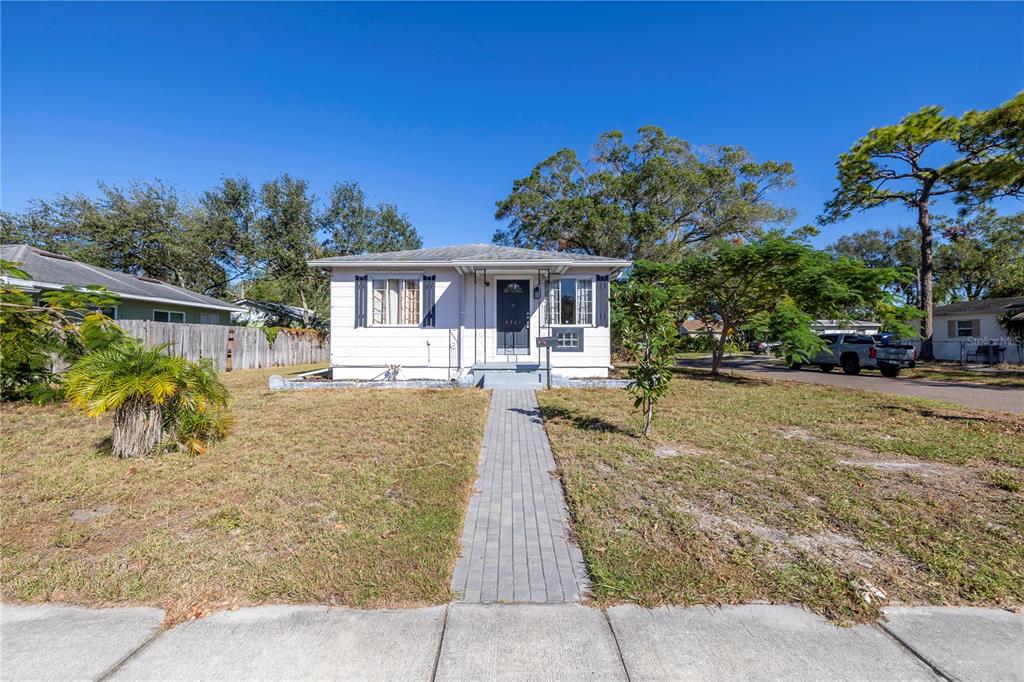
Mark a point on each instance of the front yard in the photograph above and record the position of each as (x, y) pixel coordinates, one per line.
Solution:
(340, 497)
(750, 490)
(951, 372)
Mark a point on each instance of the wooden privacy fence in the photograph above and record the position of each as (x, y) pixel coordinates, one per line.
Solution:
(232, 347)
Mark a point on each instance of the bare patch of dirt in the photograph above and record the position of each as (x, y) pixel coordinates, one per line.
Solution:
(838, 549)
(677, 450)
(919, 467)
(85, 515)
(796, 433)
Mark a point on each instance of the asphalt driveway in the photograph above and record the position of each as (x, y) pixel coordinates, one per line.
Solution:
(980, 396)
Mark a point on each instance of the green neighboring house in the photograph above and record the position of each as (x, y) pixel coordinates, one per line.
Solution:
(141, 298)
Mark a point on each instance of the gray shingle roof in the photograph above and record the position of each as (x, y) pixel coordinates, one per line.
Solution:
(471, 253)
(51, 268)
(985, 305)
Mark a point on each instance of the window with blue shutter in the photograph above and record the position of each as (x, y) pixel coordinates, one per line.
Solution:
(361, 300)
(601, 301)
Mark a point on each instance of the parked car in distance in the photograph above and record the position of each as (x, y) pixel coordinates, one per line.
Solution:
(854, 352)
(760, 347)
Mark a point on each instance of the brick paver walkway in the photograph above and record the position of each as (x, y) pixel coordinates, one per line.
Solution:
(515, 545)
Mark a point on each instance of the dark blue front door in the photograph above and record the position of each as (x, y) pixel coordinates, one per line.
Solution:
(513, 308)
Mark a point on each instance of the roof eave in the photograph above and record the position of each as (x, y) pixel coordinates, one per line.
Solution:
(53, 286)
(525, 264)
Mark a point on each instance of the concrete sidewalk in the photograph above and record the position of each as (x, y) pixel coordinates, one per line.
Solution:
(508, 642)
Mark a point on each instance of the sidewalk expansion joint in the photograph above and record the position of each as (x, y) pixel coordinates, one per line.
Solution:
(934, 668)
(130, 655)
(618, 648)
(440, 643)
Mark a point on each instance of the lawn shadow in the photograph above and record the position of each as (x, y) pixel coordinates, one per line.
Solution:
(726, 378)
(105, 446)
(534, 415)
(583, 422)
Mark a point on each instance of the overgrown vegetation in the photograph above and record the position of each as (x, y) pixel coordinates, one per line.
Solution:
(358, 501)
(33, 336)
(843, 501)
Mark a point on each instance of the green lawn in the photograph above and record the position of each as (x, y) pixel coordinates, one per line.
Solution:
(950, 372)
(351, 497)
(750, 490)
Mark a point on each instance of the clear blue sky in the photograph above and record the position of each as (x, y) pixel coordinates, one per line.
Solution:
(439, 107)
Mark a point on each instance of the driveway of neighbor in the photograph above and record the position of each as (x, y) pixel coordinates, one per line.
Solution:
(508, 642)
(980, 396)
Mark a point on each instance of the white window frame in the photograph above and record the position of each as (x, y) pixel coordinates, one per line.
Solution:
(371, 316)
(169, 313)
(97, 309)
(555, 285)
(970, 329)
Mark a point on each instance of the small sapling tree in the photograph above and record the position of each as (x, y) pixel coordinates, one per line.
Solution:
(649, 340)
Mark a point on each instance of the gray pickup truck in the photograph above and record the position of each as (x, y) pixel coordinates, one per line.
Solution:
(854, 352)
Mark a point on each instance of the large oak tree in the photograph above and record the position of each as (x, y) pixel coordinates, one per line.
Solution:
(649, 199)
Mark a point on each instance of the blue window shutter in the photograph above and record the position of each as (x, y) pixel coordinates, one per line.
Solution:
(361, 300)
(601, 301)
(429, 314)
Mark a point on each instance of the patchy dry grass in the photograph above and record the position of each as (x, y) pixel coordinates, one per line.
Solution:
(341, 497)
(952, 372)
(750, 490)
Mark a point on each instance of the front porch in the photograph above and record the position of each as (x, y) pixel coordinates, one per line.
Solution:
(508, 375)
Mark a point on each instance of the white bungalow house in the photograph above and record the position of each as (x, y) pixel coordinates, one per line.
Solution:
(966, 331)
(469, 312)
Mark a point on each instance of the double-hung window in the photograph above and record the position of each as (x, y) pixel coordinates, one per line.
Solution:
(964, 328)
(396, 301)
(570, 301)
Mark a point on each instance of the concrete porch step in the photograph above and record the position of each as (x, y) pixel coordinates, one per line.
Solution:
(513, 380)
(507, 375)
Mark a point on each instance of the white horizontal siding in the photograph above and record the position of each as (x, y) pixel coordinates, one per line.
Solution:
(363, 353)
(373, 348)
(946, 347)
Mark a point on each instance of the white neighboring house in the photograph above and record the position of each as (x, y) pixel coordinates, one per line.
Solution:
(846, 327)
(264, 313)
(438, 313)
(962, 329)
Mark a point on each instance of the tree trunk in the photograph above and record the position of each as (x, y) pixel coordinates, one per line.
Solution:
(648, 416)
(924, 222)
(719, 352)
(305, 309)
(138, 427)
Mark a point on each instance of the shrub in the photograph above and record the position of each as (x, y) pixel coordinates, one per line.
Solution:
(154, 397)
(33, 335)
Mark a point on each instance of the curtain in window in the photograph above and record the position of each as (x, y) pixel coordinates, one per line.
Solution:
(410, 313)
(554, 314)
(380, 301)
(584, 301)
(396, 301)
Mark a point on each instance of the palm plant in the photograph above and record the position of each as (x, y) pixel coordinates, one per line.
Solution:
(151, 394)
